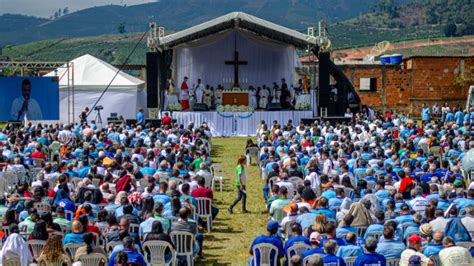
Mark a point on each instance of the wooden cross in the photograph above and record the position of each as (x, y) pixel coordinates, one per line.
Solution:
(236, 64)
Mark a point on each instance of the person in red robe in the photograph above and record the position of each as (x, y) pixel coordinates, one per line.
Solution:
(185, 94)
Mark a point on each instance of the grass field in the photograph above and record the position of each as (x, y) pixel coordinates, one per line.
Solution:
(231, 236)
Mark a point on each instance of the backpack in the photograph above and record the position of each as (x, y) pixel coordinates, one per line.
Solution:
(457, 231)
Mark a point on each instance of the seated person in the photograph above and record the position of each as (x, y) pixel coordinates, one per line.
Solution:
(331, 235)
(371, 257)
(132, 254)
(330, 258)
(270, 238)
(351, 249)
(76, 235)
(388, 246)
(314, 239)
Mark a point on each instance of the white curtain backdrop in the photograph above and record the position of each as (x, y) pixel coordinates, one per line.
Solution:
(268, 60)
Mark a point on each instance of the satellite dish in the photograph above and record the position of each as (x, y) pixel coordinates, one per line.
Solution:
(380, 48)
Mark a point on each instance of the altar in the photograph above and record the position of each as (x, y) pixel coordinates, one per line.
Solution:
(238, 123)
(235, 98)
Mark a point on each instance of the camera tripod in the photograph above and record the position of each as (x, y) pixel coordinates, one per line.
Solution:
(98, 118)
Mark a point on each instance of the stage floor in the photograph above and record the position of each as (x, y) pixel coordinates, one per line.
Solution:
(238, 124)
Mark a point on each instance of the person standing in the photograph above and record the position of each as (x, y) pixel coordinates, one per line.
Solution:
(185, 94)
(199, 91)
(83, 116)
(240, 178)
(425, 113)
(140, 117)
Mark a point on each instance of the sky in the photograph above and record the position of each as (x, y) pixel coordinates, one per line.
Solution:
(46, 8)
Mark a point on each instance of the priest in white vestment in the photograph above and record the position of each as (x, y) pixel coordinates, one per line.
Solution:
(264, 95)
(253, 97)
(199, 91)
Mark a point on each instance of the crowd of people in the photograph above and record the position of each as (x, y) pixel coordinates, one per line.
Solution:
(379, 190)
(78, 190)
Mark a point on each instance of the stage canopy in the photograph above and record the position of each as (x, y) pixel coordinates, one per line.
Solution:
(91, 76)
(266, 52)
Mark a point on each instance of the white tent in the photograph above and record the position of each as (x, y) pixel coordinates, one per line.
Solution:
(90, 77)
(268, 51)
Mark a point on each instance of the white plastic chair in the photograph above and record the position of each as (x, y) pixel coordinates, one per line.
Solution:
(297, 249)
(350, 261)
(134, 228)
(71, 248)
(13, 261)
(467, 245)
(217, 172)
(184, 243)
(35, 247)
(375, 235)
(42, 207)
(204, 211)
(93, 259)
(109, 247)
(69, 215)
(393, 262)
(265, 251)
(154, 253)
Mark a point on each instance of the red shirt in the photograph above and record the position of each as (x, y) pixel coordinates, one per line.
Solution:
(38, 155)
(166, 120)
(202, 192)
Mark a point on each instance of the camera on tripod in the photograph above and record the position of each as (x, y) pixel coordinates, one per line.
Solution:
(98, 107)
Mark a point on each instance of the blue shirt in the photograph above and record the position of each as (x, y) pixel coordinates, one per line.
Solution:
(312, 251)
(404, 218)
(73, 238)
(463, 203)
(306, 220)
(339, 241)
(342, 231)
(330, 259)
(374, 228)
(370, 259)
(335, 202)
(141, 119)
(329, 194)
(163, 198)
(349, 250)
(133, 257)
(425, 114)
(432, 249)
(269, 240)
(390, 249)
(329, 214)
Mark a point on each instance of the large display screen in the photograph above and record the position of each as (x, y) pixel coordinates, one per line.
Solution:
(36, 98)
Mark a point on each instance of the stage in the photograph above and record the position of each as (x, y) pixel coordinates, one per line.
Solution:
(238, 123)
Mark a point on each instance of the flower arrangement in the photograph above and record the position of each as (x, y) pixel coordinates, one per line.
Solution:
(303, 106)
(234, 108)
(175, 107)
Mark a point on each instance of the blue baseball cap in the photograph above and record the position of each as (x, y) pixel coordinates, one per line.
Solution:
(272, 225)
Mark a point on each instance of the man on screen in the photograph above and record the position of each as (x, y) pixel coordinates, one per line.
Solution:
(25, 106)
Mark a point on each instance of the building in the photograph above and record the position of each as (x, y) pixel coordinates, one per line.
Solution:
(418, 80)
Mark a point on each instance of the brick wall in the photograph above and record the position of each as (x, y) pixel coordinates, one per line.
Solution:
(418, 80)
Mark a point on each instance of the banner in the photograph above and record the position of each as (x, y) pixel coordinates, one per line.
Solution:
(33, 98)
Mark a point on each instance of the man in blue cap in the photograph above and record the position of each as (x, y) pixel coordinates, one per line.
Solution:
(269, 238)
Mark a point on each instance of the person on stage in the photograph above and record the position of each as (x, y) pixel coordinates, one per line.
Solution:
(208, 95)
(253, 97)
(83, 116)
(199, 91)
(171, 97)
(218, 95)
(264, 94)
(25, 106)
(276, 93)
(240, 179)
(185, 94)
(141, 117)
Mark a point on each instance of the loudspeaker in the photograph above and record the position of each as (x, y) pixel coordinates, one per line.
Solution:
(152, 80)
(200, 107)
(274, 107)
(324, 71)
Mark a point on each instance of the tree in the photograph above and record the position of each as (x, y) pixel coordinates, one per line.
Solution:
(56, 15)
(450, 30)
(65, 11)
(121, 28)
(60, 12)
